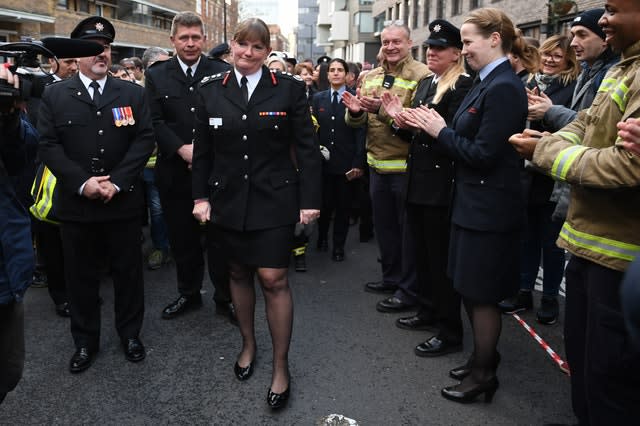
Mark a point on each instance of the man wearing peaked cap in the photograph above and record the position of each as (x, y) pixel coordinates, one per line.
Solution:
(94, 27)
(443, 33)
(100, 192)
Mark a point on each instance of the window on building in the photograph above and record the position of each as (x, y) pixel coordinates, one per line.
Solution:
(365, 2)
(363, 21)
(378, 23)
(440, 9)
(456, 8)
(62, 3)
(474, 4)
(415, 11)
(426, 7)
(82, 6)
(405, 12)
(396, 12)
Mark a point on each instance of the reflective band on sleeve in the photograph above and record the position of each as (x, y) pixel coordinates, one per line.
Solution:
(601, 245)
(391, 166)
(570, 137)
(607, 84)
(299, 251)
(620, 96)
(399, 82)
(564, 160)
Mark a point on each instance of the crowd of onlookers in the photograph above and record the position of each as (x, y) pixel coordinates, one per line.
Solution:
(500, 156)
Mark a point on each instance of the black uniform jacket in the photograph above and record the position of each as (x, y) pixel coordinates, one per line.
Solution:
(79, 140)
(487, 181)
(173, 99)
(345, 143)
(245, 156)
(430, 171)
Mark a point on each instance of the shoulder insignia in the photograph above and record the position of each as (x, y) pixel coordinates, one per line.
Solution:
(211, 78)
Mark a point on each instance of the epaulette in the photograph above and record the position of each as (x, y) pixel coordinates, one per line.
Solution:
(286, 75)
(215, 77)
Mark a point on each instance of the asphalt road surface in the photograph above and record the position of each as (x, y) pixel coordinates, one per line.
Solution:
(345, 358)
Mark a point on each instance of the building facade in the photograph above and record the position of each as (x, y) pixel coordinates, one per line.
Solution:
(138, 24)
(306, 32)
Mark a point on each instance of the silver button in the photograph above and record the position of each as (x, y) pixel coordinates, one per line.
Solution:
(244, 117)
(193, 141)
(275, 127)
(79, 93)
(246, 157)
(193, 130)
(99, 113)
(244, 137)
(166, 96)
(246, 177)
(215, 184)
(333, 130)
(193, 109)
(191, 89)
(101, 150)
(437, 166)
(482, 182)
(333, 117)
(101, 170)
(69, 122)
(331, 143)
(100, 132)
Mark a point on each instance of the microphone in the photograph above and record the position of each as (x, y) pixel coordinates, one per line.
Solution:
(53, 47)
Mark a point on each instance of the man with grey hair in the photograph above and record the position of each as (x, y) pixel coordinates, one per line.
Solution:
(152, 55)
(171, 92)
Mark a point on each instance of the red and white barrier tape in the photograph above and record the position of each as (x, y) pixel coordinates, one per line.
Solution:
(562, 365)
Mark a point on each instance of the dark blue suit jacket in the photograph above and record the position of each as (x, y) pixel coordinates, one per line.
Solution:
(346, 144)
(488, 195)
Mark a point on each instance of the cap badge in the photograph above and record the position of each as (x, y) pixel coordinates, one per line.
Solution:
(99, 26)
(437, 28)
(578, 19)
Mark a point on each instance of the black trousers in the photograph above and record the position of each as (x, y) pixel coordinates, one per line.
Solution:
(430, 226)
(85, 245)
(49, 246)
(337, 195)
(11, 346)
(189, 244)
(605, 366)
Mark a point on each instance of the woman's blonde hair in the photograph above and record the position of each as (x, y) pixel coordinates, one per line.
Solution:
(564, 43)
(449, 78)
(527, 53)
(490, 20)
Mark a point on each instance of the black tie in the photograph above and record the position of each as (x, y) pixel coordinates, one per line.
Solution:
(334, 103)
(189, 74)
(96, 92)
(244, 89)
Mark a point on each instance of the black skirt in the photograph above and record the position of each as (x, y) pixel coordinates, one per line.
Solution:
(484, 266)
(264, 248)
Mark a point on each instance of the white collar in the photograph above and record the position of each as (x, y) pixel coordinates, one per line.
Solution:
(184, 66)
(87, 81)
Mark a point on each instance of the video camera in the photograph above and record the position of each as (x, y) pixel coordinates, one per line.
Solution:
(27, 56)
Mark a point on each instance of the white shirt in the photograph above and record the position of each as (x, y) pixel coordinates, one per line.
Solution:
(252, 80)
(184, 66)
(87, 81)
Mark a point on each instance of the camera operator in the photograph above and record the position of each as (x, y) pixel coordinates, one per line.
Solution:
(15, 237)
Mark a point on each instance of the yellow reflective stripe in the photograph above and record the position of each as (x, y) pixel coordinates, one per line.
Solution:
(620, 96)
(606, 246)
(570, 137)
(607, 84)
(564, 160)
(151, 163)
(299, 251)
(399, 82)
(387, 165)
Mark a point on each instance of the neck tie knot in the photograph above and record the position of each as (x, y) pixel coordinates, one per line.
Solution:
(96, 91)
(189, 72)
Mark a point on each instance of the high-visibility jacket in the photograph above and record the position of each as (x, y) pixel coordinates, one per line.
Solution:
(386, 152)
(603, 221)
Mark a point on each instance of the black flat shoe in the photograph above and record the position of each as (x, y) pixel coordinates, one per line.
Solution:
(487, 388)
(134, 349)
(63, 310)
(416, 322)
(278, 400)
(181, 305)
(243, 373)
(459, 373)
(435, 346)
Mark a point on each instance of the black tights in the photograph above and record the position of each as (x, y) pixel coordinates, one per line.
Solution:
(486, 322)
(279, 307)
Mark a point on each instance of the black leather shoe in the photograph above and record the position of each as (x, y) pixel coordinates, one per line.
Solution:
(436, 347)
(380, 287)
(181, 305)
(338, 255)
(416, 322)
(81, 360)
(278, 400)
(134, 350)
(488, 388)
(243, 373)
(393, 304)
(227, 309)
(63, 310)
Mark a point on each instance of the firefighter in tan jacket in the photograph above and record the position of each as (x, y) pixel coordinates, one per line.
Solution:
(602, 230)
(387, 159)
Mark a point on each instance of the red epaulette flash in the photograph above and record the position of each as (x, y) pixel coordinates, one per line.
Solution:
(226, 79)
(274, 80)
